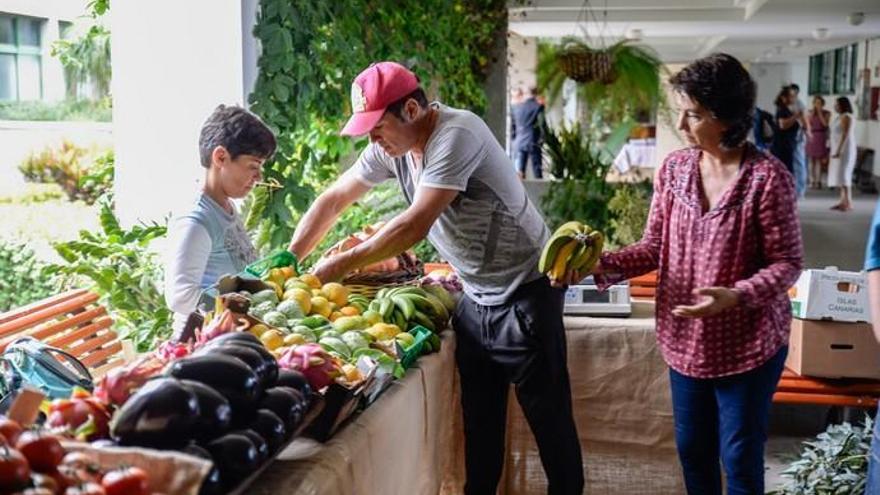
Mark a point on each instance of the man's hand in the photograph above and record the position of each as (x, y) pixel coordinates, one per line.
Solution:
(716, 300)
(332, 269)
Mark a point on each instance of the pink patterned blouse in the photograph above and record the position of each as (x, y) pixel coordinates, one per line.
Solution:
(750, 241)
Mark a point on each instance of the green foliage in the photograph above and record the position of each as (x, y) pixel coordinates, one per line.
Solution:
(81, 174)
(22, 280)
(636, 89)
(311, 53)
(34, 193)
(836, 462)
(98, 179)
(629, 207)
(98, 7)
(86, 59)
(580, 191)
(67, 110)
(121, 268)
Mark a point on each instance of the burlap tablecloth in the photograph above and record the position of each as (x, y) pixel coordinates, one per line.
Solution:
(410, 442)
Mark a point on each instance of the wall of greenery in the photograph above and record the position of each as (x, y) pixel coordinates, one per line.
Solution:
(311, 53)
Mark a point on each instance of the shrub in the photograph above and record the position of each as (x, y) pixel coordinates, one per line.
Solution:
(22, 280)
(81, 175)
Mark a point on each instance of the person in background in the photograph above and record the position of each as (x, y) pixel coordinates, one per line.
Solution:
(210, 240)
(526, 122)
(787, 126)
(724, 236)
(817, 144)
(799, 158)
(763, 129)
(872, 266)
(843, 153)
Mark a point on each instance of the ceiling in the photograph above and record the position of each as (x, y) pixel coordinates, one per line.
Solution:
(681, 30)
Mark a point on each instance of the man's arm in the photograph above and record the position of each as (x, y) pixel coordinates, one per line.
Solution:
(398, 235)
(324, 212)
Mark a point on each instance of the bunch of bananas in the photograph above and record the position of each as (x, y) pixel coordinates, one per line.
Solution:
(574, 246)
(359, 301)
(407, 307)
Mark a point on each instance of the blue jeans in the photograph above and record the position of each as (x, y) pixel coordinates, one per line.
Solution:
(727, 418)
(873, 485)
(800, 166)
(534, 154)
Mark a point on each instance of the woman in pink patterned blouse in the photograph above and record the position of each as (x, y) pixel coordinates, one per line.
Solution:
(723, 234)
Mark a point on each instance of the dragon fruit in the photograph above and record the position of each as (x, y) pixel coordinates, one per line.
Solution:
(120, 383)
(318, 366)
(225, 323)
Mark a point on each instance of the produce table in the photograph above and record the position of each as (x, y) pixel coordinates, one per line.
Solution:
(410, 442)
(389, 448)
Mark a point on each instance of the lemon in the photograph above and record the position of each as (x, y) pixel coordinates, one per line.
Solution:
(321, 306)
(294, 339)
(259, 329)
(336, 292)
(311, 280)
(349, 311)
(272, 339)
(302, 297)
(372, 317)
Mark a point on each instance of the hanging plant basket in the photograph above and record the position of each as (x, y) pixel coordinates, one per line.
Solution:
(585, 65)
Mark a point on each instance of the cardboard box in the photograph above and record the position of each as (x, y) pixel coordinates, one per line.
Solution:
(833, 349)
(830, 294)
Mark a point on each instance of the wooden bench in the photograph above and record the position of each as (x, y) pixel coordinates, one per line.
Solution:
(73, 322)
(644, 286)
(797, 389)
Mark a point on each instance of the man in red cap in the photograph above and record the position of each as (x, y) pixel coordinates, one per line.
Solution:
(465, 197)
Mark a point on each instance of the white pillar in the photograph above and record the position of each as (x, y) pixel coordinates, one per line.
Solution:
(173, 63)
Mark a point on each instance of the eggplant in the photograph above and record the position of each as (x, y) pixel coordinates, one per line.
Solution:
(266, 369)
(271, 428)
(259, 443)
(295, 380)
(287, 403)
(212, 484)
(234, 337)
(228, 375)
(162, 415)
(195, 450)
(236, 457)
(215, 413)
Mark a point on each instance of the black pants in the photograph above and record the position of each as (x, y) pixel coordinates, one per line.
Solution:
(520, 342)
(535, 156)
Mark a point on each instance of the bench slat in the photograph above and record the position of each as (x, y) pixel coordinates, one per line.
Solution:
(41, 315)
(15, 313)
(825, 399)
(91, 344)
(68, 338)
(97, 357)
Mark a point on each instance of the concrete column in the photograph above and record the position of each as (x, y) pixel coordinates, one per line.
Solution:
(173, 63)
(496, 87)
(54, 87)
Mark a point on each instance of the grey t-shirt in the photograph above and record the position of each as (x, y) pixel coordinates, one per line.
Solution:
(491, 233)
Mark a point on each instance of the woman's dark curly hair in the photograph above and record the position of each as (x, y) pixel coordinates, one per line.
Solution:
(721, 85)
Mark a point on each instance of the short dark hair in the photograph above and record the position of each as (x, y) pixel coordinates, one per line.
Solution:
(795, 87)
(819, 97)
(239, 131)
(845, 105)
(780, 97)
(723, 86)
(396, 108)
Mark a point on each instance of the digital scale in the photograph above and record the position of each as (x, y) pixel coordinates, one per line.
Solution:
(584, 299)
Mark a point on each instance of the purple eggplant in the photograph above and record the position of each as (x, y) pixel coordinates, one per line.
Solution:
(162, 415)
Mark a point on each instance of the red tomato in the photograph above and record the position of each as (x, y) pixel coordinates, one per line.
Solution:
(66, 476)
(10, 430)
(85, 489)
(43, 452)
(44, 481)
(15, 473)
(126, 481)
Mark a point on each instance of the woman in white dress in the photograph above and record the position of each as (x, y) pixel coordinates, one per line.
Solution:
(843, 153)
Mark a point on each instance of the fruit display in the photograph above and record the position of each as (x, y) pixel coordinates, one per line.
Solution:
(405, 261)
(408, 307)
(574, 246)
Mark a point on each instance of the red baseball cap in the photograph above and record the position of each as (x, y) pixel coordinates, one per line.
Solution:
(378, 86)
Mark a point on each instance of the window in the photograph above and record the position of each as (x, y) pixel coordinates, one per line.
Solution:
(834, 72)
(821, 73)
(20, 58)
(845, 70)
